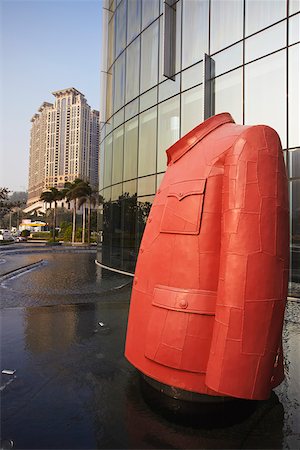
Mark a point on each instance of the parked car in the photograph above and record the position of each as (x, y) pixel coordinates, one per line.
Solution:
(21, 239)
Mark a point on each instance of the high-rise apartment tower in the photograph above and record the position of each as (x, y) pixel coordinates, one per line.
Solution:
(64, 143)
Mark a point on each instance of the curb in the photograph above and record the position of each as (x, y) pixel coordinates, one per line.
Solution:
(19, 270)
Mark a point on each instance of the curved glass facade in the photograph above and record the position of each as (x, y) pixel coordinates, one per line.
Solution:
(255, 49)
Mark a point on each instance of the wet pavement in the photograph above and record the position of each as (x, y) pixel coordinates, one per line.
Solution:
(63, 328)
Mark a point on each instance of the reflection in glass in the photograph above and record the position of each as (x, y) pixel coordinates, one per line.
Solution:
(194, 31)
(229, 94)
(159, 178)
(149, 63)
(117, 170)
(130, 149)
(133, 19)
(295, 236)
(143, 210)
(294, 96)
(133, 70)
(129, 213)
(107, 194)
(110, 44)
(147, 142)
(226, 23)
(131, 109)
(168, 88)
(116, 191)
(148, 99)
(118, 118)
(129, 187)
(260, 14)
(228, 59)
(168, 129)
(161, 77)
(107, 160)
(119, 82)
(150, 10)
(265, 42)
(294, 163)
(191, 109)
(146, 185)
(109, 95)
(101, 166)
(265, 97)
(294, 29)
(120, 27)
(192, 76)
(294, 6)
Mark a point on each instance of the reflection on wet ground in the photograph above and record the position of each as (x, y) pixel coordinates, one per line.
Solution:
(73, 387)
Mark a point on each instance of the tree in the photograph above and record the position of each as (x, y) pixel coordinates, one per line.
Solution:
(74, 191)
(53, 195)
(90, 197)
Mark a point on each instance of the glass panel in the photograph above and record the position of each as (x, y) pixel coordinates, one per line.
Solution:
(294, 96)
(168, 88)
(129, 188)
(129, 206)
(191, 109)
(226, 23)
(148, 99)
(150, 10)
(131, 109)
(119, 82)
(111, 36)
(130, 149)
(107, 160)
(260, 14)
(147, 142)
(295, 237)
(149, 69)
(294, 163)
(116, 191)
(194, 31)
(117, 171)
(146, 185)
(294, 29)
(229, 94)
(191, 77)
(228, 59)
(133, 70)
(143, 210)
(159, 178)
(161, 77)
(265, 101)
(265, 42)
(107, 194)
(294, 6)
(168, 129)
(133, 19)
(101, 166)
(109, 96)
(120, 28)
(118, 118)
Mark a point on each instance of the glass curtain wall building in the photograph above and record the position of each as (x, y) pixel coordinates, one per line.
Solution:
(154, 90)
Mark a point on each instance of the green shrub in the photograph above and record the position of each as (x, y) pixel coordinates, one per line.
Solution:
(25, 233)
(41, 235)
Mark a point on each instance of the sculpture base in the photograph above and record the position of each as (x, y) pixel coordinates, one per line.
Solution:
(191, 408)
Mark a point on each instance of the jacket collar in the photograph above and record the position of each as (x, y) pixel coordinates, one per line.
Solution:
(188, 141)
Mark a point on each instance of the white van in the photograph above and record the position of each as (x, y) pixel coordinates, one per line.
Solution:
(5, 235)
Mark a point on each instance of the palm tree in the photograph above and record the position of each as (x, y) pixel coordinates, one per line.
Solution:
(74, 191)
(52, 196)
(90, 197)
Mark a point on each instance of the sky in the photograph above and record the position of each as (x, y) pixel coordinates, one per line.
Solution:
(45, 46)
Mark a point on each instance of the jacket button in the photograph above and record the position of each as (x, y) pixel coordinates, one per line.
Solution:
(149, 220)
(158, 191)
(183, 304)
(180, 194)
(142, 250)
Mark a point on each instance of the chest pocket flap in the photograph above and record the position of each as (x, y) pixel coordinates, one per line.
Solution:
(183, 208)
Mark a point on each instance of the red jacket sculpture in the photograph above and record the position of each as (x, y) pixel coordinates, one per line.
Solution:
(210, 284)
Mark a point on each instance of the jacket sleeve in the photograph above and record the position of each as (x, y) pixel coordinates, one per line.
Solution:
(254, 261)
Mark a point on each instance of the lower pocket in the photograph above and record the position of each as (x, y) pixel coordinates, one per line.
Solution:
(180, 328)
